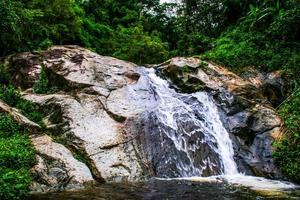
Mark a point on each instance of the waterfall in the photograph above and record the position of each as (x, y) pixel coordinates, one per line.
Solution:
(185, 130)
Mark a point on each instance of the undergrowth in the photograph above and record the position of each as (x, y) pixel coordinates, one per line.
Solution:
(16, 159)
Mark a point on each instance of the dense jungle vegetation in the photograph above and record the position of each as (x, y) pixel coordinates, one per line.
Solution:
(264, 34)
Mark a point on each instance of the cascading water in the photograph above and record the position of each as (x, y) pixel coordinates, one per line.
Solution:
(185, 134)
(184, 138)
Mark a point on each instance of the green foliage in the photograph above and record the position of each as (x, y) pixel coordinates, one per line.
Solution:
(31, 111)
(36, 24)
(191, 44)
(288, 149)
(100, 25)
(4, 76)
(9, 95)
(12, 97)
(135, 45)
(42, 84)
(258, 40)
(16, 151)
(14, 184)
(7, 126)
(16, 159)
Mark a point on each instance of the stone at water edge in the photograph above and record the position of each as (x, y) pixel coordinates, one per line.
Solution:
(56, 167)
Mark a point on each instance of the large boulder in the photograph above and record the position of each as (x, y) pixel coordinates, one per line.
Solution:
(101, 123)
(84, 117)
(56, 167)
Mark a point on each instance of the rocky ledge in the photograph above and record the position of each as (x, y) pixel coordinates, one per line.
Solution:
(87, 138)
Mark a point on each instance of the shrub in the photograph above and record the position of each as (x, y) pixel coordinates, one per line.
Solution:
(12, 97)
(287, 153)
(4, 76)
(16, 151)
(9, 95)
(14, 183)
(16, 159)
(136, 45)
(7, 126)
(42, 84)
(31, 111)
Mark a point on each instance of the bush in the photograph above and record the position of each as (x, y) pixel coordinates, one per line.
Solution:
(30, 110)
(42, 84)
(9, 95)
(16, 151)
(136, 45)
(16, 159)
(12, 97)
(4, 76)
(287, 153)
(14, 183)
(7, 126)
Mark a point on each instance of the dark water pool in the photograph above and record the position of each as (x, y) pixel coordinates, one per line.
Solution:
(168, 189)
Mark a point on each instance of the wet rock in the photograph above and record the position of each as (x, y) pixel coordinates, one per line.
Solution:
(262, 150)
(274, 88)
(238, 123)
(245, 104)
(264, 119)
(192, 74)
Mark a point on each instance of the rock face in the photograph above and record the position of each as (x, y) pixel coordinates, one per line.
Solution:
(247, 111)
(86, 116)
(96, 127)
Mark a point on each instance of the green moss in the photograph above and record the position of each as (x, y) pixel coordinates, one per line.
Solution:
(202, 64)
(185, 69)
(80, 156)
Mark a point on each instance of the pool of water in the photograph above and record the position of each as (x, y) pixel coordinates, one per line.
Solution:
(186, 188)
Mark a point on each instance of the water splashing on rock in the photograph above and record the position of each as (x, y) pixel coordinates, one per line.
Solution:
(182, 134)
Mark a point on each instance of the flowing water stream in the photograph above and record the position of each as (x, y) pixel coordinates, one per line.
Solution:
(181, 112)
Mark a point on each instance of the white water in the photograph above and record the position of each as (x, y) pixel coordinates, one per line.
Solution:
(175, 109)
(252, 182)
